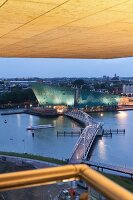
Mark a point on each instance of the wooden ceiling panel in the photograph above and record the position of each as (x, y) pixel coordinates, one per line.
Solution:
(66, 28)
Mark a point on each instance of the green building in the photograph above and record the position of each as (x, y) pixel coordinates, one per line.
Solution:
(54, 95)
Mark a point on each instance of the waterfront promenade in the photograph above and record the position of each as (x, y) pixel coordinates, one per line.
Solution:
(20, 161)
(39, 111)
(102, 166)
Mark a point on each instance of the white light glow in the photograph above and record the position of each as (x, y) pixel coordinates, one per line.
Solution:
(122, 114)
(60, 110)
(30, 120)
(18, 120)
(102, 149)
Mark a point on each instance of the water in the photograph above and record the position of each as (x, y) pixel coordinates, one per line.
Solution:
(14, 136)
(116, 150)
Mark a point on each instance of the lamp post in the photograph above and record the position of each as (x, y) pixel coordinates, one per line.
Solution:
(11, 139)
(24, 145)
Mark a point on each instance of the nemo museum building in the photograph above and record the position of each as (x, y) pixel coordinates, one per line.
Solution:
(54, 95)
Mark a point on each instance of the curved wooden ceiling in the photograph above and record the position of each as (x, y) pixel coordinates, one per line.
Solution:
(66, 29)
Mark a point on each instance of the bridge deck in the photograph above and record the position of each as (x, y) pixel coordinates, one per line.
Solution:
(87, 137)
(80, 116)
(84, 144)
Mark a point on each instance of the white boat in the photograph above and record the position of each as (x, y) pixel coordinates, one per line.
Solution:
(40, 127)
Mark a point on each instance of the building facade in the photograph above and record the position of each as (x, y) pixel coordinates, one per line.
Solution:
(127, 89)
(54, 95)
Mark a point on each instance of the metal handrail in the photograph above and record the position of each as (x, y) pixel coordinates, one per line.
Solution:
(65, 173)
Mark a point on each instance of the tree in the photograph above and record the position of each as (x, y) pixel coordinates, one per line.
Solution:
(17, 96)
(78, 83)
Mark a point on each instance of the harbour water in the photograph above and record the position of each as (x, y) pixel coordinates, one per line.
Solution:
(117, 149)
(15, 137)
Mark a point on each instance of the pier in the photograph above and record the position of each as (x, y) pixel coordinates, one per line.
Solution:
(104, 132)
(103, 166)
(109, 132)
(69, 133)
(113, 131)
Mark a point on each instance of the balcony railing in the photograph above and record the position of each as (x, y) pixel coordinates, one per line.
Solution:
(24, 179)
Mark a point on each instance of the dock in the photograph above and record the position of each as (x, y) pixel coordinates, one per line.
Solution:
(109, 132)
(104, 132)
(69, 133)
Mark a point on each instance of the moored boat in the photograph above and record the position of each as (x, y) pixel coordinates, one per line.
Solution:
(40, 127)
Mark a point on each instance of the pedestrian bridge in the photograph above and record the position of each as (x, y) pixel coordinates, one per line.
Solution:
(86, 139)
(80, 116)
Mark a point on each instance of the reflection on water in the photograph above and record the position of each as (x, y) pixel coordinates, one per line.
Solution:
(101, 114)
(122, 115)
(115, 150)
(18, 120)
(102, 149)
(31, 120)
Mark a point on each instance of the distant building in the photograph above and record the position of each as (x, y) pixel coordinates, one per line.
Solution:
(115, 78)
(105, 78)
(127, 89)
(54, 95)
(126, 101)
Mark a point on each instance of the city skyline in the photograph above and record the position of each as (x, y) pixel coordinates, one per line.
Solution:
(51, 67)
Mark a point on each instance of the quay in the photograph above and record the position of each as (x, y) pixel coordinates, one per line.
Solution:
(38, 111)
(108, 109)
(13, 113)
(103, 166)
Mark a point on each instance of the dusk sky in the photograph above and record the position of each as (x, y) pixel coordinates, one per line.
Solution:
(44, 68)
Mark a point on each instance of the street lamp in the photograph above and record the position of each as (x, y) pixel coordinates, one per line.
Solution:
(24, 145)
(11, 139)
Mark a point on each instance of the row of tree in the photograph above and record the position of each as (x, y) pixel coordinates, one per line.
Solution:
(17, 96)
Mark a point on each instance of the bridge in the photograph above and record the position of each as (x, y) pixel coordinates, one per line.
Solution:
(102, 166)
(86, 139)
(80, 116)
